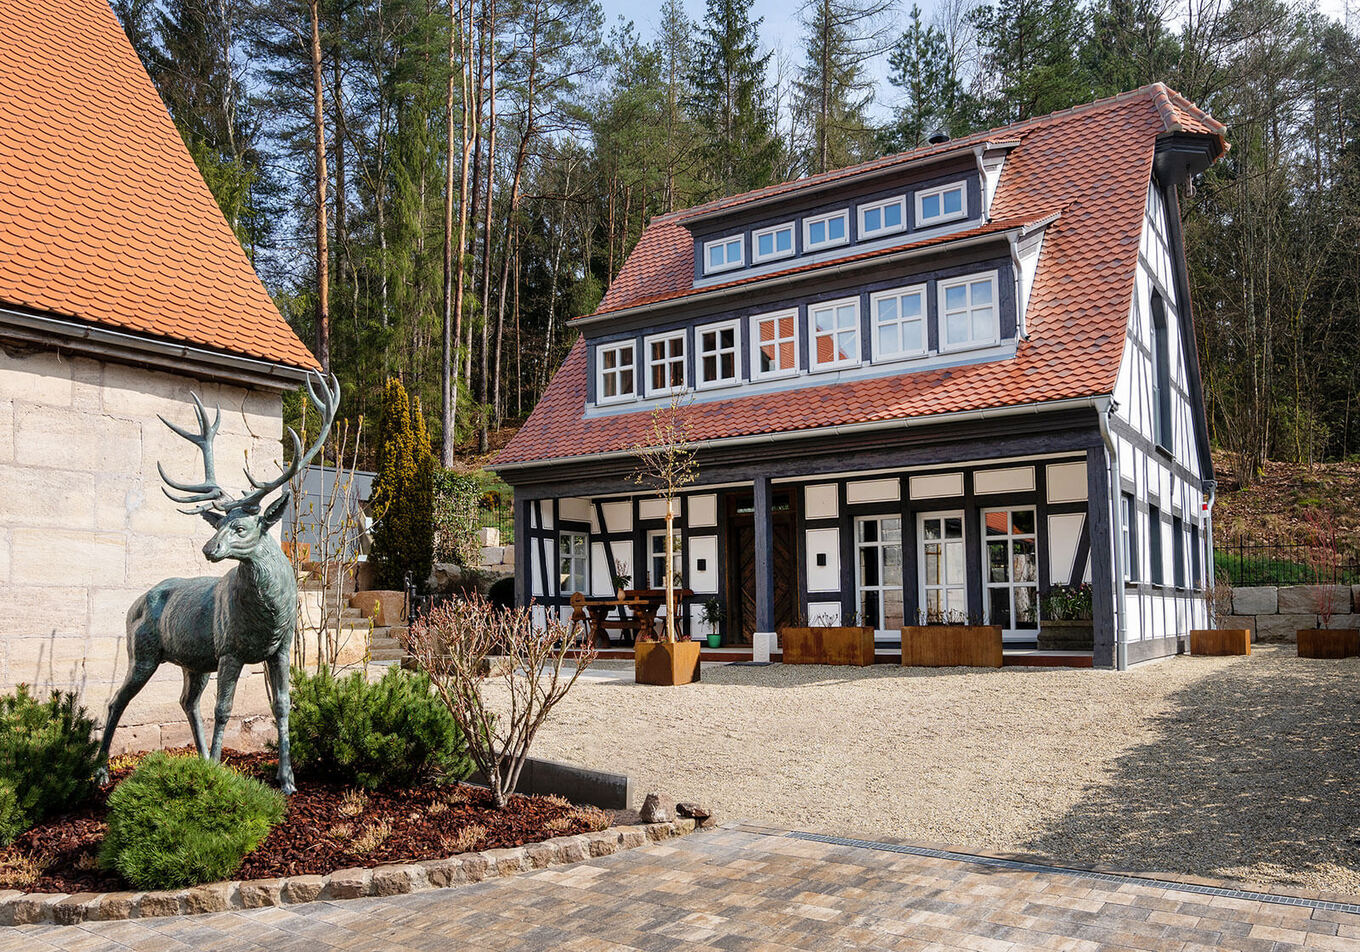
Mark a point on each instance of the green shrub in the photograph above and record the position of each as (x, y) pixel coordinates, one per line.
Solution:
(180, 821)
(48, 753)
(12, 821)
(391, 732)
(403, 493)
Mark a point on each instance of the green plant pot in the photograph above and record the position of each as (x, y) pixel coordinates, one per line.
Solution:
(715, 641)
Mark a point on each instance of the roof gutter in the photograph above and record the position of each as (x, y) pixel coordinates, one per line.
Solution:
(110, 344)
(847, 429)
(818, 272)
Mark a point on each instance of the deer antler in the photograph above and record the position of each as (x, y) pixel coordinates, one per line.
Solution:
(209, 494)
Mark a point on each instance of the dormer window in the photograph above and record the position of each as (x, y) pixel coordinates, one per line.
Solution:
(899, 318)
(968, 312)
(883, 218)
(723, 254)
(616, 364)
(835, 334)
(718, 346)
(665, 364)
(937, 205)
(826, 231)
(774, 345)
(769, 244)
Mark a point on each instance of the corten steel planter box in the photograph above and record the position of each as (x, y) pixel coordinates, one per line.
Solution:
(1220, 641)
(1329, 642)
(827, 644)
(947, 646)
(666, 662)
(1077, 634)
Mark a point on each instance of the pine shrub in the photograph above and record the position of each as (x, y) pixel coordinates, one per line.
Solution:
(403, 493)
(393, 732)
(12, 821)
(48, 753)
(181, 821)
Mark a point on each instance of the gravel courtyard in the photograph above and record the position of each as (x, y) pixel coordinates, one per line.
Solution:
(1242, 768)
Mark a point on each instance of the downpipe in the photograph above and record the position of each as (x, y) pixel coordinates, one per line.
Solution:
(1121, 645)
(1208, 555)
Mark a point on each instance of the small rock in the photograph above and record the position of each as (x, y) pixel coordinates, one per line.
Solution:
(701, 815)
(653, 811)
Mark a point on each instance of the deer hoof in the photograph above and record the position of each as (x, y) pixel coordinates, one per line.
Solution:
(287, 786)
(101, 776)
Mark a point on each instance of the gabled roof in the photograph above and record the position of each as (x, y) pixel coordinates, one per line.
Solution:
(1089, 165)
(104, 217)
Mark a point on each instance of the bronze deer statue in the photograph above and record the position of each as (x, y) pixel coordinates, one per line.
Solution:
(222, 623)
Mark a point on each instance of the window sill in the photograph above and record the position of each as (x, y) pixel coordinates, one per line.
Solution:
(1164, 452)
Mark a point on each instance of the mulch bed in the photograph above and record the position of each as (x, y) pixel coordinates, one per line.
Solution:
(329, 826)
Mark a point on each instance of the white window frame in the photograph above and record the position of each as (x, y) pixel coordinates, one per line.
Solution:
(700, 354)
(942, 317)
(572, 559)
(866, 232)
(922, 221)
(918, 289)
(740, 240)
(677, 555)
(757, 257)
(946, 584)
(776, 316)
(601, 372)
(883, 588)
(647, 362)
(858, 360)
(809, 245)
(1014, 633)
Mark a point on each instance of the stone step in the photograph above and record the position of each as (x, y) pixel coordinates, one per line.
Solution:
(385, 654)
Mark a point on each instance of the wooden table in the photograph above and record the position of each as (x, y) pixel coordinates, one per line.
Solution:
(638, 608)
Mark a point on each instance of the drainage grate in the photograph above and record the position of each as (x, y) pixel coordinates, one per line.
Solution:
(1114, 878)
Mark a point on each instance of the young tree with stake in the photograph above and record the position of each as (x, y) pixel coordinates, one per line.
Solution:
(666, 463)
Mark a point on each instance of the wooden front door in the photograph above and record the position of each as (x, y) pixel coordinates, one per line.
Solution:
(741, 565)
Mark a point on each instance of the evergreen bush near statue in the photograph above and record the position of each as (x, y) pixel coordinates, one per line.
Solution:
(403, 493)
(48, 758)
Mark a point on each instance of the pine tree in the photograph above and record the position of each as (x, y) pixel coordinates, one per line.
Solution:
(403, 493)
(730, 100)
(924, 70)
(1029, 62)
(1128, 45)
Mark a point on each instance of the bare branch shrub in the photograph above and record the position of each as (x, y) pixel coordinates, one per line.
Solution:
(468, 645)
(666, 464)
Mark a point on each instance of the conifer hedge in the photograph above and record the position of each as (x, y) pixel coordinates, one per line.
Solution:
(403, 493)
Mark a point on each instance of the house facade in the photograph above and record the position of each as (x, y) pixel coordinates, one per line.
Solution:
(122, 289)
(924, 389)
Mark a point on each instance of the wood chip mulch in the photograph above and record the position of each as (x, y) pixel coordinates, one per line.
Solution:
(329, 826)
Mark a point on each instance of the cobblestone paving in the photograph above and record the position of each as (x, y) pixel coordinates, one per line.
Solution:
(745, 888)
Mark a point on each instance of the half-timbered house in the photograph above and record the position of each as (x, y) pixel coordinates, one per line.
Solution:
(928, 387)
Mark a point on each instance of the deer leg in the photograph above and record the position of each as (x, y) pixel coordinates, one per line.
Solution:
(137, 676)
(194, 683)
(228, 673)
(276, 670)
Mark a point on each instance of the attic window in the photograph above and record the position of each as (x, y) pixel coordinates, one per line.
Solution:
(968, 312)
(665, 363)
(835, 334)
(615, 374)
(723, 254)
(883, 218)
(718, 353)
(826, 231)
(771, 243)
(937, 205)
(774, 344)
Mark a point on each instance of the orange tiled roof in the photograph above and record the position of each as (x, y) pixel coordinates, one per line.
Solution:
(1091, 164)
(103, 216)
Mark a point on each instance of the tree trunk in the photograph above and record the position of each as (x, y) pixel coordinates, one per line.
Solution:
(483, 435)
(323, 312)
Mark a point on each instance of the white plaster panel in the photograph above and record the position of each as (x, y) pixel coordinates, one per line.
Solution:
(819, 502)
(574, 509)
(703, 581)
(1067, 482)
(618, 516)
(824, 613)
(936, 487)
(653, 509)
(824, 542)
(601, 585)
(703, 510)
(1019, 479)
(1064, 530)
(873, 490)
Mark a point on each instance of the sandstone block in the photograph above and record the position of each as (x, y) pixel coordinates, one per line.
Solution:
(381, 607)
(508, 556)
(64, 498)
(347, 884)
(213, 897)
(1282, 629)
(74, 908)
(166, 903)
(33, 907)
(1237, 621)
(488, 537)
(1344, 621)
(477, 867)
(440, 873)
(1254, 600)
(1310, 599)
(507, 861)
(6, 431)
(574, 849)
(394, 880)
(117, 905)
(64, 438)
(68, 557)
(493, 554)
(603, 842)
(41, 378)
(632, 837)
(302, 888)
(258, 893)
(540, 855)
(4, 557)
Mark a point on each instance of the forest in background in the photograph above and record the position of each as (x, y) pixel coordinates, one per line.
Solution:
(430, 189)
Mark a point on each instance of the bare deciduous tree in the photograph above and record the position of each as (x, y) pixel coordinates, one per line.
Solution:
(667, 464)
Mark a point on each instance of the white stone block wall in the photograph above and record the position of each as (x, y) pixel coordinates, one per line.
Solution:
(85, 528)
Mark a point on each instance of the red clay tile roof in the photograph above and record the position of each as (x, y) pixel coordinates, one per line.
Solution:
(103, 216)
(1092, 164)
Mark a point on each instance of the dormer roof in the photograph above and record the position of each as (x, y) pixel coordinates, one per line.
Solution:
(1082, 172)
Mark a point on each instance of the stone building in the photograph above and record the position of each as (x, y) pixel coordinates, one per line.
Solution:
(122, 288)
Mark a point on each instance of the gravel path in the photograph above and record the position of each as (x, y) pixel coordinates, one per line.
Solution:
(1244, 768)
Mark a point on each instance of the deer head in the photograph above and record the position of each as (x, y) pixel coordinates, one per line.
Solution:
(239, 521)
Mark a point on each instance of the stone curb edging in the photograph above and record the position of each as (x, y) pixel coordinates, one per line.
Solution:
(17, 909)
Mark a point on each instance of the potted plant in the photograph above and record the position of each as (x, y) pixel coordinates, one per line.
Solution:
(1322, 555)
(828, 640)
(666, 464)
(713, 615)
(951, 638)
(1218, 642)
(622, 578)
(1066, 624)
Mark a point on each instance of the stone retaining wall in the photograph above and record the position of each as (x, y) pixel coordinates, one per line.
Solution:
(1275, 613)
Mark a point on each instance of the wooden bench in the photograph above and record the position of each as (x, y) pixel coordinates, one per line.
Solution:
(593, 614)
